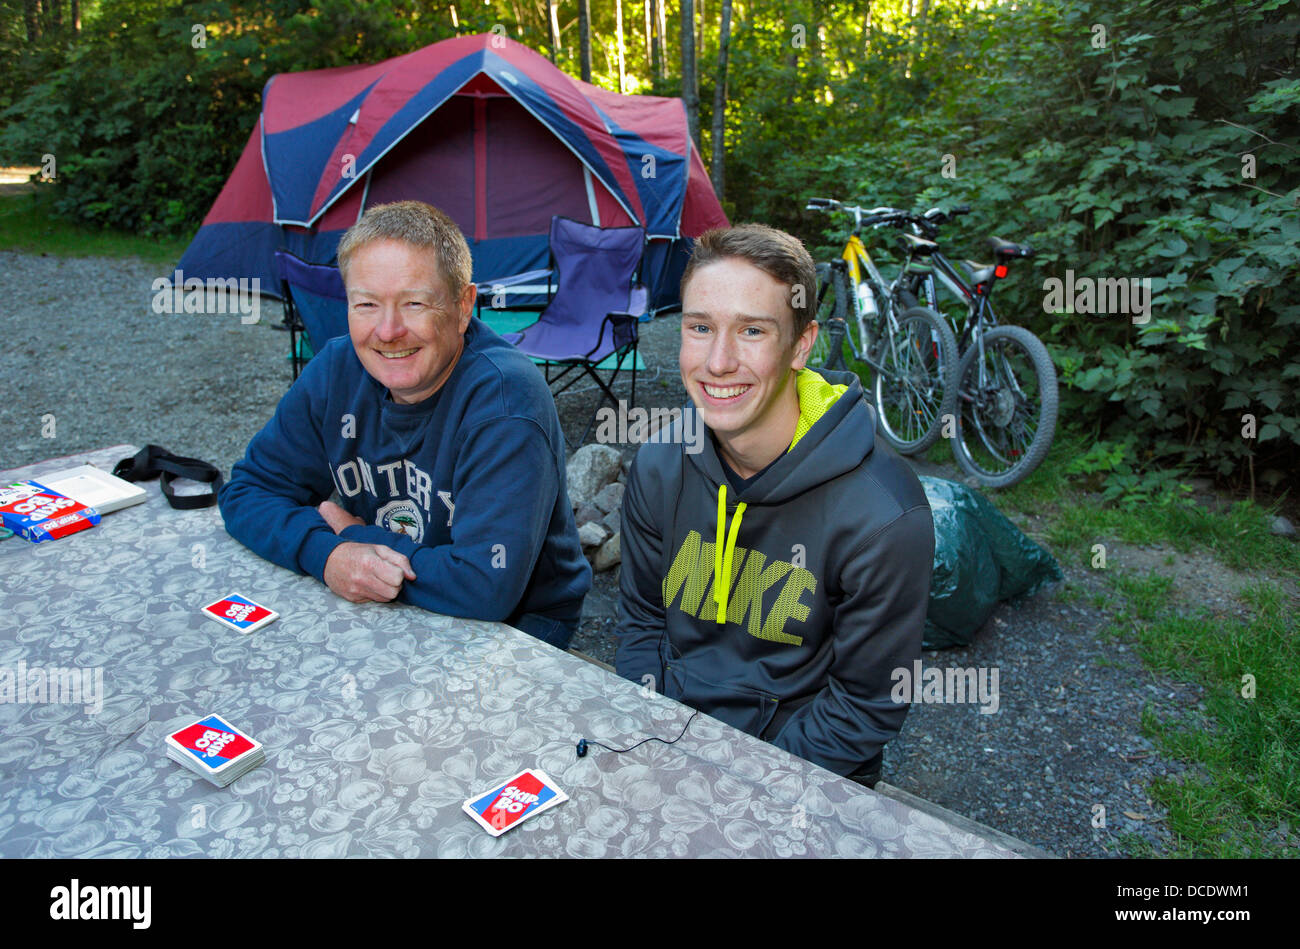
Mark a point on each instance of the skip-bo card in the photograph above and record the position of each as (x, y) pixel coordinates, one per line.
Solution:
(213, 743)
(240, 613)
(525, 795)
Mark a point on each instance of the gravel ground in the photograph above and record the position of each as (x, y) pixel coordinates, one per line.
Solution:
(83, 346)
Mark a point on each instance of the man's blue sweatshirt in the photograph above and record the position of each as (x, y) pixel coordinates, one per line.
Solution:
(469, 484)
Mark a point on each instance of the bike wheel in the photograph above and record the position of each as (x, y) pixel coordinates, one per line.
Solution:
(915, 384)
(832, 304)
(1008, 403)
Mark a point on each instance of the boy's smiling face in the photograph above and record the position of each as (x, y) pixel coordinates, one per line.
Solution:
(739, 353)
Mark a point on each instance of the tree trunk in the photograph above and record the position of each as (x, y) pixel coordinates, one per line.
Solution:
(661, 31)
(700, 17)
(618, 29)
(690, 90)
(920, 28)
(656, 41)
(33, 21)
(56, 15)
(720, 100)
(76, 16)
(584, 37)
(554, 24)
(646, 7)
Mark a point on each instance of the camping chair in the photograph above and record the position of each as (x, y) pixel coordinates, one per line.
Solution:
(315, 304)
(592, 314)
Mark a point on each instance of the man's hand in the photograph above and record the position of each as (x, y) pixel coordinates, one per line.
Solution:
(364, 573)
(338, 518)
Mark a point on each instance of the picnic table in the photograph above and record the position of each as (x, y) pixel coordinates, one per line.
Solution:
(378, 721)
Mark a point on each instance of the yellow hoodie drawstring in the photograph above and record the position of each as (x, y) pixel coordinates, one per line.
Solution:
(722, 555)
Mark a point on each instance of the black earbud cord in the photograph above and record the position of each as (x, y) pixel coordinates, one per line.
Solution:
(584, 742)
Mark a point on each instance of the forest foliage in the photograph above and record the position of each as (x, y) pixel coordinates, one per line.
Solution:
(1155, 140)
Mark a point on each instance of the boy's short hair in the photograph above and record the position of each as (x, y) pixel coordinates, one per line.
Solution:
(780, 255)
(420, 225)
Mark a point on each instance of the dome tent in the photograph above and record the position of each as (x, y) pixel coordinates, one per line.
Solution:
(479, 126)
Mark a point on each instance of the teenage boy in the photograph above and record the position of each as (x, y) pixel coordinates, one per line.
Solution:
(440, 438)
(776, 578)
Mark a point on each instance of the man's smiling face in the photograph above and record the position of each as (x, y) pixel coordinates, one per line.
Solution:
(738, 350)
(407, 329)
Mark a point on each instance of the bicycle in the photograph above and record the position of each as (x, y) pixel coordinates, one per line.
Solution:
(1006, 382)
(910, 350)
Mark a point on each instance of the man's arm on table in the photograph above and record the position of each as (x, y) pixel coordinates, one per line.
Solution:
(877, 628)
(270, 503)
(640, 607)
(504, 494)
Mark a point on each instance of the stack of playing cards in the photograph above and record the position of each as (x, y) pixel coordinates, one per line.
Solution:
(525, 795)
(215, 749)
(240, 613)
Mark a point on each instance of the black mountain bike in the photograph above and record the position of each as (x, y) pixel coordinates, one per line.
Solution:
(1006, 383)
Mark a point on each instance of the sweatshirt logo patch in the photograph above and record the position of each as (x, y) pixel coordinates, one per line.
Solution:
(401, 517)
(689, 585)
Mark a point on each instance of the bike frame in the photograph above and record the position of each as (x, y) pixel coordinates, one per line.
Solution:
(979, 313)
(858, 260)
(979, 307)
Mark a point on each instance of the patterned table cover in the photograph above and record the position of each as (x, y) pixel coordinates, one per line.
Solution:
(378, 720)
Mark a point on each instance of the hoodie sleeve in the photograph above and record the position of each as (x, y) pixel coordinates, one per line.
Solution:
(504, 491)
(641, 608)
(878, 628)
(269, 503)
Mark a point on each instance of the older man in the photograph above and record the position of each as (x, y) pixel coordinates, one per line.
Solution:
(440, 439)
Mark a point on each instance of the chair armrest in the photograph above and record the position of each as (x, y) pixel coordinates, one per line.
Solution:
(489, 288)
(615, 321)
(485, 286)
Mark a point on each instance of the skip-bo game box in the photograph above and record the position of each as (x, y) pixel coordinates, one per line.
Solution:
(36, 513)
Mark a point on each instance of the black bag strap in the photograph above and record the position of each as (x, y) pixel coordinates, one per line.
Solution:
(153, 460)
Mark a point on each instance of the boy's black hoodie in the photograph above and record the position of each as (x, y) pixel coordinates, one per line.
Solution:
(830, 553)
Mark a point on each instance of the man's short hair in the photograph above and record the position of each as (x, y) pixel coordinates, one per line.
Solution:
(778, 254)
(420, 225)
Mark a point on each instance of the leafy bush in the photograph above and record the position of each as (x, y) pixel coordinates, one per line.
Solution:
(1118, 139)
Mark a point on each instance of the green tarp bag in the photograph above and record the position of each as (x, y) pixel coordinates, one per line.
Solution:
(980, 559)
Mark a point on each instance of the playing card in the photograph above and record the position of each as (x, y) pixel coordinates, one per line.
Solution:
(525, 795)
(240, 613)
(215, 749)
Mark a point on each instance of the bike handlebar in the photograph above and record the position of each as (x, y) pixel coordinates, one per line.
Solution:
(873, 217)
(894, 217)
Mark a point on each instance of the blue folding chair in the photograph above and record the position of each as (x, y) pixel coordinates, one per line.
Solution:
(315, 305)
(592, 315)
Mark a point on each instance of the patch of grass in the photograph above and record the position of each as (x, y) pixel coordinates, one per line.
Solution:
(1238, 538)
(1135, 845)
(1246, 750)
(27, 225)
(1049, 485)
(1070, 592)
(940, 453)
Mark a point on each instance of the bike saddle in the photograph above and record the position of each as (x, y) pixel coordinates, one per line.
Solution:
(1007, 250)
(979, 273)
(918, 245)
